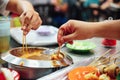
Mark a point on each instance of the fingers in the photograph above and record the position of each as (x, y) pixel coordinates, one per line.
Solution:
(25, 18)
(71, 42)
(30, 20)
(35, 21)
(59, 37)
(69, 38)
(64, 38)
(65, 34)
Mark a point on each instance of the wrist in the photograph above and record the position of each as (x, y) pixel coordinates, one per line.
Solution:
(96, 29)
(25, 6)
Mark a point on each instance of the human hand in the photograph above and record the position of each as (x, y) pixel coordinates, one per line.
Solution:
(30, 20)
(74, 30)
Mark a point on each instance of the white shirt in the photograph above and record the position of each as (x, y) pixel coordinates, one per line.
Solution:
(3, 4)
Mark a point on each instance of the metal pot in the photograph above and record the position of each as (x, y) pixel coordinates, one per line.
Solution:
(30, 68)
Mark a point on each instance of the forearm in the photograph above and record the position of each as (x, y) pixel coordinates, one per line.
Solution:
(18, 6)
(107, 29)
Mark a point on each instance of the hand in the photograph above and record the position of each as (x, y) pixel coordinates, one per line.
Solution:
(30, 20)
(74, 30)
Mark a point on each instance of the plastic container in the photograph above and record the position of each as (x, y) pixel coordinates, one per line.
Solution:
(4, 35)
(109, 42)
(2, 77)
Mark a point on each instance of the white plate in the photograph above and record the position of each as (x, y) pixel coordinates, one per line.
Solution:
(35, 38)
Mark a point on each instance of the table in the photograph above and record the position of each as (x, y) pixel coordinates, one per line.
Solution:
(98, 51)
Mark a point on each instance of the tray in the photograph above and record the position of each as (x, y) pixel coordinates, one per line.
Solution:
(37, 37)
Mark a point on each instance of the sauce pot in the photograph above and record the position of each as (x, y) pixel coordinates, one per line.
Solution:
(34, 64)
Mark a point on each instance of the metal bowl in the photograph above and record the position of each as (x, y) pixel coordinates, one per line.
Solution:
(33, 68)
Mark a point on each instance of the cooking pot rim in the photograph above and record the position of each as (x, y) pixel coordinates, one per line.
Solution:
(12, 59)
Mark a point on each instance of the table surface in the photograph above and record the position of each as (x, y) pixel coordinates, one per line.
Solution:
(96, 52)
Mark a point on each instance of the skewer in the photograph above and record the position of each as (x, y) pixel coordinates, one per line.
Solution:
(114, 54)
(100, 57)
(114, 58)
(58, 53)
(23, 41)
(110, 59)
(118, 63)
(26, 48)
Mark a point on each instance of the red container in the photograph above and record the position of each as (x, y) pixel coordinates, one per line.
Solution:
(109, 42)
(2, 77)
(14, 73)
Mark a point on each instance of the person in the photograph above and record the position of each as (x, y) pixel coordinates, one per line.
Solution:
(28, 16)
(80, 30)
(59, 12)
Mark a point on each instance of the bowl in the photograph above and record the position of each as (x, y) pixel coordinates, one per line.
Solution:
(31, 65)
(81, 46)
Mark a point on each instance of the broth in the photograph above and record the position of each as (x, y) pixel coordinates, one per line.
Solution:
(37, 54)
(31, 53)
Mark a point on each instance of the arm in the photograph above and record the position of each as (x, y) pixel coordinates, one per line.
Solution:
(108, 29)
(79, 30)
(18, 6)
(106, 4)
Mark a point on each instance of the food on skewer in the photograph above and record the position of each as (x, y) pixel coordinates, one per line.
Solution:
(91, 76)
(80, 72)
(104, 77)
(103, 72)
(102, 68)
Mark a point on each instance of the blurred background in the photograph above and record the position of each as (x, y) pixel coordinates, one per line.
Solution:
(57, 12)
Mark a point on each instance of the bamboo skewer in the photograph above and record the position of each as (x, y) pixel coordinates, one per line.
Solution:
(118, 63)
(100, 57)
(23, 41)
(58, 53)
(25, 48)
(103, 61)
(114, 58)
(115, 54)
